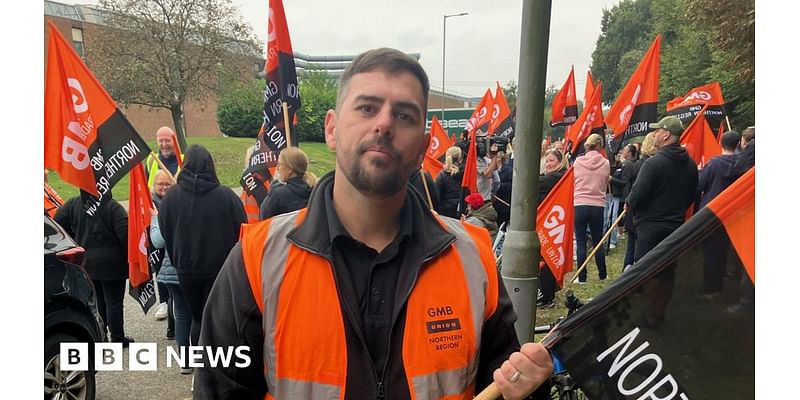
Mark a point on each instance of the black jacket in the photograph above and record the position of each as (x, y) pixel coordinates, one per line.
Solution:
(629, 173)
(104, 237)
(449, 187)
(199, 219)
(547, 182)
(503, 192)
(717, 175)
(664, 189)
(415, 181)
(238, 320)
(285, 197)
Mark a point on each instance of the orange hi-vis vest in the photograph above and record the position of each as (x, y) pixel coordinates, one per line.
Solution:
(251, 207)
(305, 351)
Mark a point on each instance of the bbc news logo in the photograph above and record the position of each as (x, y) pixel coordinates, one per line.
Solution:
(144, 356)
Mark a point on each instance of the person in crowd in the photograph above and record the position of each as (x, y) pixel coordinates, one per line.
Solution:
(105, 238)
(613, 200)
(425, 189)
(488, 178)
(251, 205)
(591, 179)
(463, 142)
(166, 154)
(502, 197)
(659, 199)
(180, 316)
(169, 159)
(360, 272)
(481, 213)
(555, 166)
(200, 221)
(295, 184)
(448, 183)
(630, 169)
(161, 183)
(717, 175)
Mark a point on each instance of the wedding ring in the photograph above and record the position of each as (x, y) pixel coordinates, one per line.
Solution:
(515, 377)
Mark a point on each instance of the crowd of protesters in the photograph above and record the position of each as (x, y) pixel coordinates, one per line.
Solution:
(654, 180)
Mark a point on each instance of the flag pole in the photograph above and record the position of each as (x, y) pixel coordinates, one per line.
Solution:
(597, 246)
(425, 185)
(728, 122)
(286, 124)
(163, 167)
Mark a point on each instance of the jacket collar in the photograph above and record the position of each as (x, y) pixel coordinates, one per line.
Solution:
(428, 236)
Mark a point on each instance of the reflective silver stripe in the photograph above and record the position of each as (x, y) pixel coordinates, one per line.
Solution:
(477, 281)
(294, 389)
(445, 383)
(276, 249)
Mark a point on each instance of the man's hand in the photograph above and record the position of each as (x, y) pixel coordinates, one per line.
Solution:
(524, 371)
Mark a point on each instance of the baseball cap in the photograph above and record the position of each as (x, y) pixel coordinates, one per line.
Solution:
(475, 200)
(670, 123)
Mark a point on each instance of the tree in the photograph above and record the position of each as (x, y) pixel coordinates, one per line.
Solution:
(318, 92)
(240, 104)
(510, 90)
(160, 53)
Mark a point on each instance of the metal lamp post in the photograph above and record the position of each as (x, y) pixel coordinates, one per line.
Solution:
(444, 45)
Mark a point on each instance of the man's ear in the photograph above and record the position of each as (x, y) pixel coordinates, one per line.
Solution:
(330, 129)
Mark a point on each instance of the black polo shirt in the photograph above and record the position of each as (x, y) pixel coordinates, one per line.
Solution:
(369, 278)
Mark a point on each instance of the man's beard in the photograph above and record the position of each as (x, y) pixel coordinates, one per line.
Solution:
(390, 177)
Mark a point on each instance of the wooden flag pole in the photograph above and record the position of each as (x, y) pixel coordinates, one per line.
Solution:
(425, 185)
(287, 127)
(597, 246)
(163, 167)
(728, 122)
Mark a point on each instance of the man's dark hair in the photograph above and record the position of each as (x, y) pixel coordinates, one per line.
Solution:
(390, 61)
(749, 133)
(633, 150)
(730, 140)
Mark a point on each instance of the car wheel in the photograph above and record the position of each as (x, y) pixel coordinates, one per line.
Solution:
(60, 384)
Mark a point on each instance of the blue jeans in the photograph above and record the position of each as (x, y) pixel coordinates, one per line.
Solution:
(591, 216)
(183, 315)
(612, 207)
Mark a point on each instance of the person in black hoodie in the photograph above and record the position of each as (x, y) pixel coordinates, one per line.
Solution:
(714, 178)
(200, 222)
(105, 238)
(663, 191)
(448, 183)
(294, 187)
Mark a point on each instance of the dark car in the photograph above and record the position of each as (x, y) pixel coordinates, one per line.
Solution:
(70, 314)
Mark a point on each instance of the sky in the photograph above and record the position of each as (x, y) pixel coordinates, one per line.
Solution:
(482, 47)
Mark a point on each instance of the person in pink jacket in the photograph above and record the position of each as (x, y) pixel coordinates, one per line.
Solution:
(592, 171)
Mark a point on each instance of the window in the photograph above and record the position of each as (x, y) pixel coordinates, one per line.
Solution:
(77, 40)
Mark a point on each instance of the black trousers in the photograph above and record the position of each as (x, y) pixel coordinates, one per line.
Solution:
(196, 288)
(662, 285)
(110, 295)
(649, 236)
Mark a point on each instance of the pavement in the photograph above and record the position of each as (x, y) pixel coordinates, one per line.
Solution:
(164, 383)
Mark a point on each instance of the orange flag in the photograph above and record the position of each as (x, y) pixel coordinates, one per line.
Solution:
(432, 165)
(501, 123)
(481, 117)
(686, 107)
(587, 92)
(87, 140)
(469, 182)
(735, 208)
(555, 223)
(178, 153)
(590, 121)
(139, 214)
(565, 103)
(636, 105)
(439, 141)
(699, 141)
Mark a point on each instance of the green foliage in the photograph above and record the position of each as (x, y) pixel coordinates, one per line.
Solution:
(510, 90)
(240, 107)
(318, 95)
(701, 41)
(228, 154)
